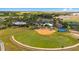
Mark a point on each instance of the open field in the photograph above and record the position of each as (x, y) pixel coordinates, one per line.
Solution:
(5, 36)
(72, 19)
(56, 40)
(32, 38)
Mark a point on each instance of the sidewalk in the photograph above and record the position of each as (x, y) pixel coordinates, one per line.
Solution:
(2, 48)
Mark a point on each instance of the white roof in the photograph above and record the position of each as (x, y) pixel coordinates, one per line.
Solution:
(19, 23)
(49, 24)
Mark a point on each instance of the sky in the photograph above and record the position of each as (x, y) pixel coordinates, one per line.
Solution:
(39, 9)
(24, 5)
(38, 3)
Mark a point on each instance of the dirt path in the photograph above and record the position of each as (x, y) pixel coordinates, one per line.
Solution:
(69, 48)
(42, 49)
(45, 31)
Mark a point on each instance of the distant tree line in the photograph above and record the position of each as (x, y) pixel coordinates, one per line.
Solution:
(29, 17)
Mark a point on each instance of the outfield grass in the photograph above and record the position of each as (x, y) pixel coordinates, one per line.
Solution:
(56, 40)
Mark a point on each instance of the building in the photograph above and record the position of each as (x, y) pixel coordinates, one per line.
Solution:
(19, 23)
(75, 14)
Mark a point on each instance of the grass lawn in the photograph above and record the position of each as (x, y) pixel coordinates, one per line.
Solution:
(5, 36)
(72, 19)
(32, 38)
(56, 40)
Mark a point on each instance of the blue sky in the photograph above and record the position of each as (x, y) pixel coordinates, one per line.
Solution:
(39, 9)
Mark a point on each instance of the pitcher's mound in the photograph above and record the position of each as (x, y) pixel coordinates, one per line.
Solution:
(45, 31)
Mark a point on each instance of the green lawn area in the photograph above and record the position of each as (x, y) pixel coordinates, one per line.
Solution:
(56, 40)
(69, 20)
(32, 38)
(5, 36)
(73, 19)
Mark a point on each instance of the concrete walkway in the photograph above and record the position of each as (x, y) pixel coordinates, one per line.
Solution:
(2, 48)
